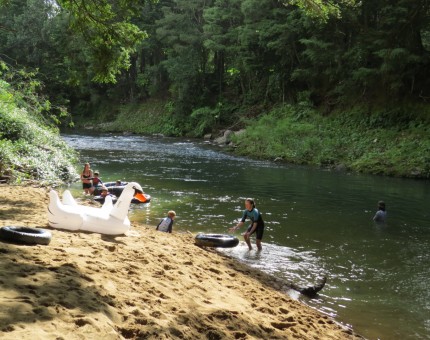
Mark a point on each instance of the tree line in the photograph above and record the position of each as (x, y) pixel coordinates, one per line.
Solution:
(212, 60)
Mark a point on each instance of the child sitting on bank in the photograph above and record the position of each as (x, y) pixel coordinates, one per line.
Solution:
(105, 192)
(97, 183)
(166, 223)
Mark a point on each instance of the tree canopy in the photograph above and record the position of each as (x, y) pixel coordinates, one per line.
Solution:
(220, 54)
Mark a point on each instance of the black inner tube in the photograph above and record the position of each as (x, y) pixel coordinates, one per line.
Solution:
(25, 235)
(216, 240)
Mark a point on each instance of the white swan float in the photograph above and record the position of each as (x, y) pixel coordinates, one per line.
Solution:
(109, 219)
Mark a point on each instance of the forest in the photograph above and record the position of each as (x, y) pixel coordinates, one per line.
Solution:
(339, 83)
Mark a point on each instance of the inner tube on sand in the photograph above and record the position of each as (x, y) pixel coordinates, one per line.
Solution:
(216, 240)
(25, 235)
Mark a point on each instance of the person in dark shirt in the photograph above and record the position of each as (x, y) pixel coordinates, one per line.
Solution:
(257, 224)
(381, 214)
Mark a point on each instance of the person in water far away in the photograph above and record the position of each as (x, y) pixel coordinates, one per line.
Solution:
(257, 224)
(381, 214)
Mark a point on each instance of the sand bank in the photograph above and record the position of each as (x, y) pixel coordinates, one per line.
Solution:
(146, 285)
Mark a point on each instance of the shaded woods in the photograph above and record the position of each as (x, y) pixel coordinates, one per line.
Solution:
(212, 65)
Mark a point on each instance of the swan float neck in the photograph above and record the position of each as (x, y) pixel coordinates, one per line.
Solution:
(120, 208)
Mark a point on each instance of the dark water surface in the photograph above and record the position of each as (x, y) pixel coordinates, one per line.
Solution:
(317, 222)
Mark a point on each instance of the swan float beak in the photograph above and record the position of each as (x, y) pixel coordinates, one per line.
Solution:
(139, 196)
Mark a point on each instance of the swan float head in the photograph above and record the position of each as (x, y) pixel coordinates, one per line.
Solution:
(109, 219)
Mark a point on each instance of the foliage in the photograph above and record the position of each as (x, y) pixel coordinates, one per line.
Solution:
(150, 118)
(201, 52)
(29, 149)
(106, 29)
(372, 145)
(220, 63)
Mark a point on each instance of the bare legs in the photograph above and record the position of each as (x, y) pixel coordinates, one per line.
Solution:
(247, 239)
(259, 247)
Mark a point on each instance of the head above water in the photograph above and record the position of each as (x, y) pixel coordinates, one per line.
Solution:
(249, 204)
(381, 205)
(171, 214)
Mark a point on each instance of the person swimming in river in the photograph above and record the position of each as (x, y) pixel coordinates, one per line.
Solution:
(257, 224)
(381, 214)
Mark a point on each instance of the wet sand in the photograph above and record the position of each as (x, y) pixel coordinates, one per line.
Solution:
(143, 285)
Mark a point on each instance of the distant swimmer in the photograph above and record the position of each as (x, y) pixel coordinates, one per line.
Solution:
(381, 214)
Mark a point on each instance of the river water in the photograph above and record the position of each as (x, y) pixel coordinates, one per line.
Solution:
(318, 223)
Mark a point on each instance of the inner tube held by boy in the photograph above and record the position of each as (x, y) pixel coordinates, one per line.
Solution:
(25, 235)
(216, 240)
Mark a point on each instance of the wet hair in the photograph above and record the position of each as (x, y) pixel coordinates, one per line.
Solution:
(381, 205)
(250, 200)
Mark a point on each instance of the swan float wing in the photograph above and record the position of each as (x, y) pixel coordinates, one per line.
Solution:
(62, 216)
(107, 205)
(68, 198)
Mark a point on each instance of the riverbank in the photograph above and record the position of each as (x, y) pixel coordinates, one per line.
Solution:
(382, 141)
(144, 285)
(30, 146)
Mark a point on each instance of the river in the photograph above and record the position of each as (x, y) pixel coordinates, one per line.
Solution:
(318, 222)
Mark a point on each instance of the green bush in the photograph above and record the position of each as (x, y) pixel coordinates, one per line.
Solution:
(29, 149)
(147, 118)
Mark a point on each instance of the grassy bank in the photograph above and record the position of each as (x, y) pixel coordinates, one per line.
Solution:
(376, 141)
(30, 149)
(152, 117)
(385, 142)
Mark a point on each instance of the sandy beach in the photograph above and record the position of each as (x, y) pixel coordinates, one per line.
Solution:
(143, 285)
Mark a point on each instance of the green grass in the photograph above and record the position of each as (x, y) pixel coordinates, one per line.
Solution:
(360, 142)
(145, 118)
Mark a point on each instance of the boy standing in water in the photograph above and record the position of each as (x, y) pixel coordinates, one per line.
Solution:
(166, 223)
(257, 224)
(381, 214)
